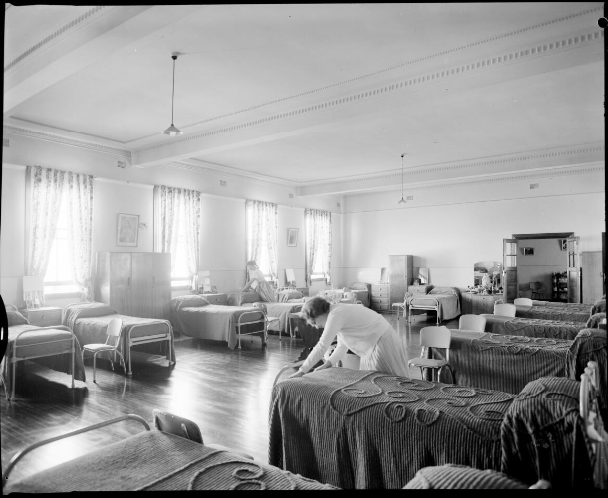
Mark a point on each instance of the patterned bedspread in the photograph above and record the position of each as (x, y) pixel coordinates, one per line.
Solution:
(551, 329)
(213, 322)
(40, 341)
(502, 362)
(90, 320)
(386, 428)
(383, 428)
(155, 461)
(569, 312)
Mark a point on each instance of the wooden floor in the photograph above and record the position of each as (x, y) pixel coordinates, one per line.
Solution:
(227, 393)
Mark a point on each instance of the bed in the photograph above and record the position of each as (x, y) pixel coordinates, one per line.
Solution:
(89, 321)
(532, 327)
(545, 310)
(507, 363)
(386, 428)
(599, 306)
(445, 301)
(55, 347)
(153, 460)
(281, 310)
(363, 292)
(193, 316)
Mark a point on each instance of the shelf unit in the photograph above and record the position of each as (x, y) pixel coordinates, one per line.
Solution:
(559, 284)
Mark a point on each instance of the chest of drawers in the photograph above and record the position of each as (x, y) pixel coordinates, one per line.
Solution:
(219, 298)
(43, 317)
(477, 304)
(420, 289)
(380, 297)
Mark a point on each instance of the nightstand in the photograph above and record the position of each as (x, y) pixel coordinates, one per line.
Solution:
(380, 297)
(43, 317)
(218, 298)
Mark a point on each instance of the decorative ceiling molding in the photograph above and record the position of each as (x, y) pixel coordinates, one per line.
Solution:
(407, 84)
(490, 179)
(62, 31)
(52, 137)
(441, 169)
(399, 66)
(220, 172)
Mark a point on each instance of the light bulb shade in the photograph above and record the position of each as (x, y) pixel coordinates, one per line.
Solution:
(172, 131)
(402, 201)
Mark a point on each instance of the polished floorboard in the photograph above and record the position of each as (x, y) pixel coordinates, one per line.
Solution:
(226, 392)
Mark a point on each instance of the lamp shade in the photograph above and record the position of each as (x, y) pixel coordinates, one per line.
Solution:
(172, 131)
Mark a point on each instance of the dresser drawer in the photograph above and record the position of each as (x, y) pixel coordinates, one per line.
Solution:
(379, 288)
(221, 299)
(419, 289)
(380, 300)
(43, 317)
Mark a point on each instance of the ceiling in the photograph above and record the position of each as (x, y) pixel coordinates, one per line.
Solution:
(325, 98)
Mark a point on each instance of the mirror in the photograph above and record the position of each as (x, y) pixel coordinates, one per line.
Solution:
(423, 275)
(493, 269)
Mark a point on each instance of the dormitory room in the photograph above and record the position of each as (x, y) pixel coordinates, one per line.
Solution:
(303, 246)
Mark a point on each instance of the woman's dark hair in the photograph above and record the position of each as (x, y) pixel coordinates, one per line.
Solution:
(315, 307)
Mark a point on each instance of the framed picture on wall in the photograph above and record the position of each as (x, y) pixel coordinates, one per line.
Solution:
(128, 227)
(292, 237)
(564, 244)
(528, 251)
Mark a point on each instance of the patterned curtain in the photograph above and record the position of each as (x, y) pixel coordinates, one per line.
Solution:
(46, 194)
(318, 242)
(263, 221)
(80, 232)
(174, 203)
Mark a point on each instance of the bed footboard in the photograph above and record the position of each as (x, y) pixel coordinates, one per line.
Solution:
(426, 303)
(135, 341)
(251, 318)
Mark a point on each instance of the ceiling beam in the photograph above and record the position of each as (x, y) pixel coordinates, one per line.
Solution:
(84, 42)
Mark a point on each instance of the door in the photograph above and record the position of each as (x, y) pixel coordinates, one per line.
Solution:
(509, 256)
(574, 273)
(591, 276)
(142, 286)
(397, 275)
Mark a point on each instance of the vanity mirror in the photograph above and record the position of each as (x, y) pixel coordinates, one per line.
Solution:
(491, 269)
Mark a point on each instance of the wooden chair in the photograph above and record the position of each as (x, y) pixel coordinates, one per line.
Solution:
(538, 290)
(433, 337)
(179, 426)
(110, 346)
(474, 323)
(505, 309)
(524, 301)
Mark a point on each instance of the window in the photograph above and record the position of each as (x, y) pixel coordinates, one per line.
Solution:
(262, 221)
(58, 278)
(318, 244)
(180, 274)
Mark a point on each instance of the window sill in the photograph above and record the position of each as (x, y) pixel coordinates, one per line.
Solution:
(61, 295)
(180, 287)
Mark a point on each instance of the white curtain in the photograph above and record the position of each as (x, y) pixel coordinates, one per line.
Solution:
(79, 191)
(318, 242)
(46, 194)
(263, 221)
(173, 203)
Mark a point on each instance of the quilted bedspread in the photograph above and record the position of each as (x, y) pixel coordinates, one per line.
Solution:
(569, 312)
(446, 298)
(361, 429)
(551, 329)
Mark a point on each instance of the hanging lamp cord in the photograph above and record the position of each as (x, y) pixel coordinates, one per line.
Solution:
(401, 175)
(173, 88)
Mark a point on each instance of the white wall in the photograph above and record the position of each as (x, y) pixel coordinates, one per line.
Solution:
(130, 190)
(448, 229)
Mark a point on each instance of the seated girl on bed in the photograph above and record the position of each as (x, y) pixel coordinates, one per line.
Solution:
(258, 283)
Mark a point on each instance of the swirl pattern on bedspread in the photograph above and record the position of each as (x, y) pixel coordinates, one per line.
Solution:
(553, 329)
(571, 313)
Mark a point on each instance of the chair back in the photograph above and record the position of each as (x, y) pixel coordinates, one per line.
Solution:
(178, 426)
(525, 301)
(113, 331)
(505, 309)
(535, 286)
(436, 337)
(474, 323)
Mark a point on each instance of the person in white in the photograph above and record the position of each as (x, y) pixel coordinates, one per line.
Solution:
(362, 330)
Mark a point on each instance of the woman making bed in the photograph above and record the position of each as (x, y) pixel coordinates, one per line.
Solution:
(258, 283)
(360, 329)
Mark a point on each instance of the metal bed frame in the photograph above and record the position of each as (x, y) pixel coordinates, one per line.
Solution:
(240, 323)
(434, 306)
(136, 341)
(14, 358)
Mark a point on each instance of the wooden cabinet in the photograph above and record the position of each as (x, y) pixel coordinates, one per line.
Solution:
(43, 317)
(559, 283)
(134, 283)
(380, 293)
(400, 275)
(218, 298)
(592, 276)
(477, 304)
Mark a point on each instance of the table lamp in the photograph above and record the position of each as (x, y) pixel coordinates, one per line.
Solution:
(33, 291)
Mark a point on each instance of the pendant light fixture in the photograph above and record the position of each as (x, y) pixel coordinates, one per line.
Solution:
(402, 201)
(172, 130)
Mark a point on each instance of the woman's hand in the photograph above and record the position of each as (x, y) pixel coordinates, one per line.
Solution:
(296, 375)
(325, 365)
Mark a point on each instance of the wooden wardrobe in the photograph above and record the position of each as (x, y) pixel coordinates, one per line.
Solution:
(400, 276)
(134, 283)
